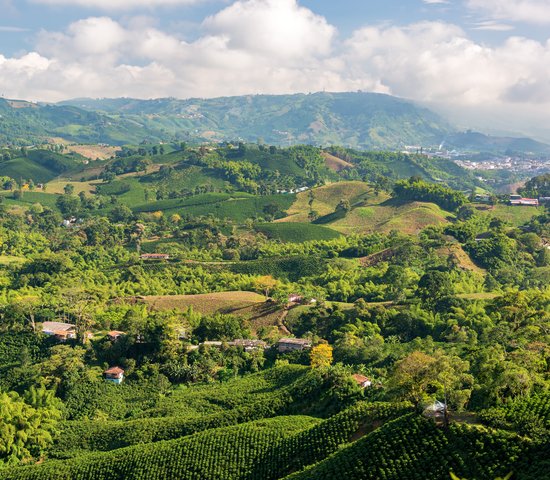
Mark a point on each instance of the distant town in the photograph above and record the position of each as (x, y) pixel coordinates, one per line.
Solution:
(524, 163)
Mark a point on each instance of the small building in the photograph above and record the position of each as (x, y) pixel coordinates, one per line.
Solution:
(482, 197)
(61, 331)
(295, 298)
(438, 412)
(182, 333)
(249, 345)
(212, 343)
(154, 256)
(293, 344)
(114, 375)
(362, 381)
(115, 335)
(524, 202)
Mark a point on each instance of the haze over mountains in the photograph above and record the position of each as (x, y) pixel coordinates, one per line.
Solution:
(359, 120)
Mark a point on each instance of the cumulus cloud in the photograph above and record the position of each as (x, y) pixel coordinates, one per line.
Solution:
(529, 11)
(279, 28)
(437, 62)
(118, 4)
(254, 46)
(277, 46)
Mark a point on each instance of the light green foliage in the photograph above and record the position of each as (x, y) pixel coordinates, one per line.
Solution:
(27, 425)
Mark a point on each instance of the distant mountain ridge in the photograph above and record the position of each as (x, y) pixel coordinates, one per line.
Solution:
(363, 120)
(358, 120)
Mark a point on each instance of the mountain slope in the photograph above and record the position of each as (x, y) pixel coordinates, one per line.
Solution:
(355, 119)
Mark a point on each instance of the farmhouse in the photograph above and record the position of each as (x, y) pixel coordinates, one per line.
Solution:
(154, 256)
(114, 375)
(362, 381)
(59, 330)
(115, 335)
(292, 344)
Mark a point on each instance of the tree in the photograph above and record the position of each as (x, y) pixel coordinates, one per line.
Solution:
(68, 189)
(26, 430)
(68, 204)
(420, 377)
(433, 286)
(121, 213)
(266, 283)
(321, 356)
(343, 206)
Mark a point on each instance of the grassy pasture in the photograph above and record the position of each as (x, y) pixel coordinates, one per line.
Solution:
(514, 215)
(406, 218)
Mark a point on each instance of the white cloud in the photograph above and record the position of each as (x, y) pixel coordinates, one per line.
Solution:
(529, 11)
(493, 26)
(118, 4)
(436, 2)
(9, 29)
(255, 46)
(437, 62)
(279, 28)
(276, 46)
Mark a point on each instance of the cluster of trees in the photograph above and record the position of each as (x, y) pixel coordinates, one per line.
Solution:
(419, 190)
(536, 187)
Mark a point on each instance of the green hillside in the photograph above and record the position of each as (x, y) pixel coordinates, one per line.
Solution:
(353, 119)
(401, 449)
(296, 232)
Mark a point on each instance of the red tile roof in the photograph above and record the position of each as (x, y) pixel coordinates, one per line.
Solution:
(114, 371)
(360, 378)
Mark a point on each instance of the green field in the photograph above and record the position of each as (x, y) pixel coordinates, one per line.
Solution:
(296, 232)
(30, 198)
(237, 207)
(22, 168)
(514, 215)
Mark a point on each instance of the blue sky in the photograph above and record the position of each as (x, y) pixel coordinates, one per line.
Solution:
(484, 61)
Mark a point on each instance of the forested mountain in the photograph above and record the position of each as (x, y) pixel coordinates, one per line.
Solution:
(359, 120)
(363, 120)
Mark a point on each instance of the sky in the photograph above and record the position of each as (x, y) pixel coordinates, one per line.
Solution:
(482, 63)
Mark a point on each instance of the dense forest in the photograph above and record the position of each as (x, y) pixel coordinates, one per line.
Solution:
(249, 311)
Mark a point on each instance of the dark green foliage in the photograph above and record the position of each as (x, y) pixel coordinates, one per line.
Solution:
(52, 161)
(297, 232)
(527, 416)
(264, 449)
(413, 448)
(292, 268)
(20, 347)
(114, 188)
(418, 190)
(537, 187)
(315, 444)
(95, 399)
